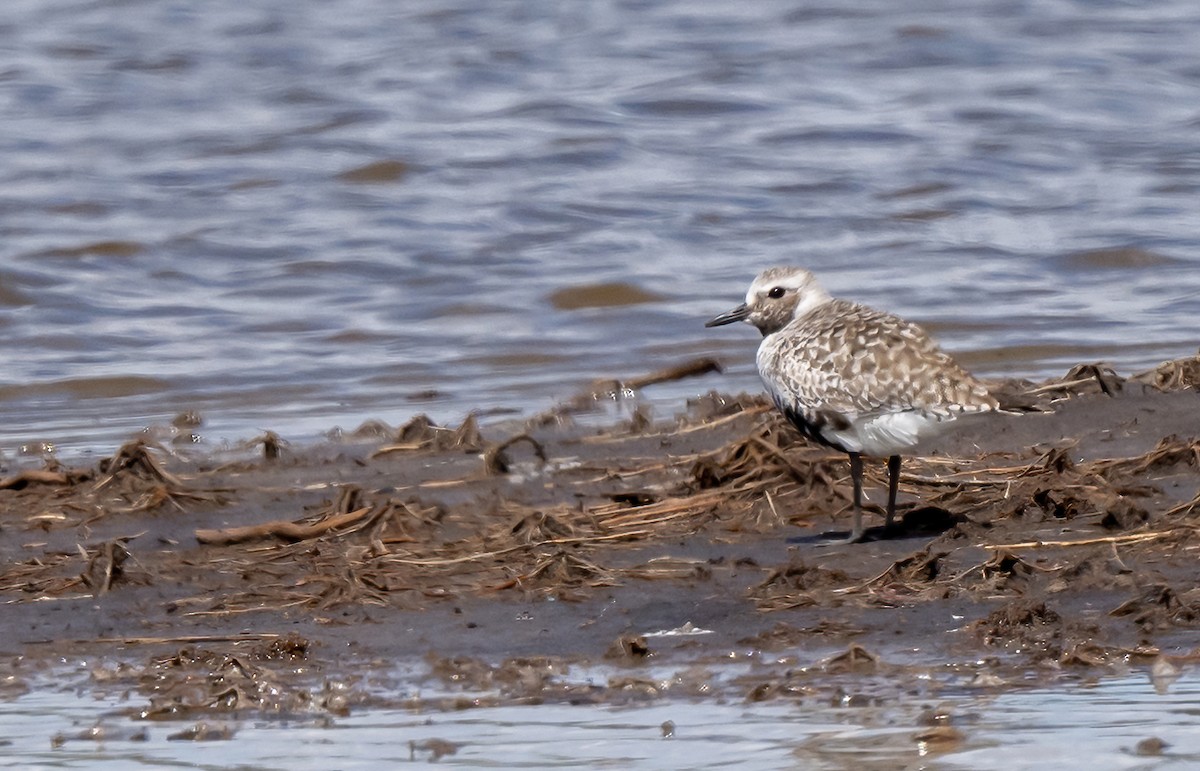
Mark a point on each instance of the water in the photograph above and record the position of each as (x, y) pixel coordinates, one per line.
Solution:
(1083, 726)
(295, 216)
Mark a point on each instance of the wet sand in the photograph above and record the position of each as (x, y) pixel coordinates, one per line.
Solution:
(1060, 542)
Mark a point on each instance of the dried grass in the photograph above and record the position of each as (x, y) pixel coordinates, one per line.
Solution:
(374, 547)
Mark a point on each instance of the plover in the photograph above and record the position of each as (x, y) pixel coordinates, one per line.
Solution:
(851, 377)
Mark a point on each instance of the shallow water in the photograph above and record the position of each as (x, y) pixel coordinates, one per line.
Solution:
(304, 216)
(1097, 725)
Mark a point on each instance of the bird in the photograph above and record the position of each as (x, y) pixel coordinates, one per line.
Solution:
(853, 378)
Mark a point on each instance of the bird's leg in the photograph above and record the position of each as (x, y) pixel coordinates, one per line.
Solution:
(893, 486)
(856, 535)
(856, 474)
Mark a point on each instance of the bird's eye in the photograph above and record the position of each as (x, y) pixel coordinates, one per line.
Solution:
(776, 292)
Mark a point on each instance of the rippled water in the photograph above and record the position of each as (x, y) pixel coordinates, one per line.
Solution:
(298, 215)
(1109, 724)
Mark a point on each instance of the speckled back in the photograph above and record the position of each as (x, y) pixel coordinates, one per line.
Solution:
(854, 361)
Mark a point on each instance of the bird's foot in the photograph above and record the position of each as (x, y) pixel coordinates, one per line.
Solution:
(852, 538)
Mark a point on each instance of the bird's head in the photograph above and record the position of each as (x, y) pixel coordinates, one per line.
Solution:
(776, 297)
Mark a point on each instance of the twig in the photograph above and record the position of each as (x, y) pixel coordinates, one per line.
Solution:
(34, 476)
(495, 460)
(284, 529)
(710, 424)
(186, 638)
(534, 545)
(1182, 508)
(1060, 384)
(947, 480)
(771, 503)
(645, 513)
(693, 368)
(399, 447)
(1113, 539)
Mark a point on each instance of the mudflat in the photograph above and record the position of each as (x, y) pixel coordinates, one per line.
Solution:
(1064, 539)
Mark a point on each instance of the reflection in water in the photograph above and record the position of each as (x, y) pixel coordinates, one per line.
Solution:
(1110, 724)
(278, 219)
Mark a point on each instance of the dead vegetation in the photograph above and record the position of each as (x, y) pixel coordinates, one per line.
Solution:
(566, 527)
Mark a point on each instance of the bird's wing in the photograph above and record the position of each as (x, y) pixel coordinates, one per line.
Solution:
(859, 363)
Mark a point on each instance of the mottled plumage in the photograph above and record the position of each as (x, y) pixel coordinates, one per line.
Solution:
(851, 377)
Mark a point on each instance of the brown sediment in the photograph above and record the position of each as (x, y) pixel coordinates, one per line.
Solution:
(389, 170)
(1064, 537)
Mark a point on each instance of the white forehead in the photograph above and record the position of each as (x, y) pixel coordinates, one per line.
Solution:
(788, 278)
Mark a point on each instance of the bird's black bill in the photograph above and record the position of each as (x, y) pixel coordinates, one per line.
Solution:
(739, 313)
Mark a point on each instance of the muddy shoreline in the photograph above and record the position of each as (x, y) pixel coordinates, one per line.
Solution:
(1057, 544)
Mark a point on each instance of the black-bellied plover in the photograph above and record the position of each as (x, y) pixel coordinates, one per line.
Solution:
(853, 378)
